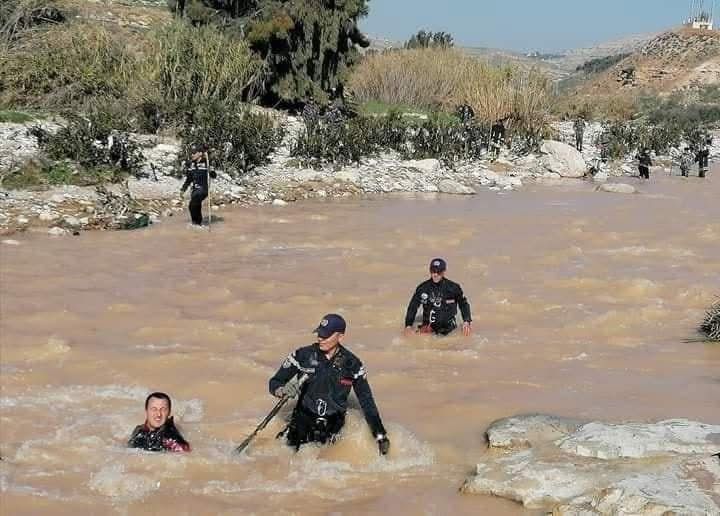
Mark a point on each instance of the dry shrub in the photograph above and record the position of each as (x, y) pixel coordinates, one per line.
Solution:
(422, 78)
(65, 65)
(445, 78)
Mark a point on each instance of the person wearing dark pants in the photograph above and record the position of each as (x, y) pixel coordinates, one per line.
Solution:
(579, 128)
(321, 376)
(197, 175)
(703, 157)
(644, 163)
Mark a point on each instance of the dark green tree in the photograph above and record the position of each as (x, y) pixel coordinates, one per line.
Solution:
(307, 46)
(430, 39)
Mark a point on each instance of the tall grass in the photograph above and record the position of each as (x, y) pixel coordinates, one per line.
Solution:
(446, 78)
(196, 65)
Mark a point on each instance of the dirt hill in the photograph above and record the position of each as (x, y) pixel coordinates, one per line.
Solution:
(673, 60)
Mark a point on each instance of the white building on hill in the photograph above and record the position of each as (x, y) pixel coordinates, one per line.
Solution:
(701, 15)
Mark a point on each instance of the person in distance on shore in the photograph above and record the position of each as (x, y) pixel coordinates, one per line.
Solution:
(197, 174)
(158, 433)
(644, 163)
(579, 127)
(440, 299)
(332, 370)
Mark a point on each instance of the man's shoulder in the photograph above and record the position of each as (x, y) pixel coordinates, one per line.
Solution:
(425, 284)
(305, 352)
(350, 360)
(453, 284)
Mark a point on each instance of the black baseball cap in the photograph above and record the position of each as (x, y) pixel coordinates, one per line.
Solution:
(330, 324)
(438, 265)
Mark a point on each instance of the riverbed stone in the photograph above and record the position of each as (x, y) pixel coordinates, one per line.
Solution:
(448, 186)
(571, 467)
(425, 166)
(57, 231)
(618, 188)
(563, 159)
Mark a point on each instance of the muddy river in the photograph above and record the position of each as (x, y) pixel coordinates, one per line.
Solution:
(582, 303)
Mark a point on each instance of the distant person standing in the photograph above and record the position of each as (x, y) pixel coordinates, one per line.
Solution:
(198, 175)
(703, 158)
(440, 299)
(579, 127)
(497, 137)
(686, 160)
(644, 163)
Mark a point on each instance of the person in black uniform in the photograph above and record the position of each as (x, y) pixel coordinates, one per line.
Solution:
(440, 299)
(331, 370)
(702, 157)
(159, 432)
(497, 137)
(197, 175)
(644, 163)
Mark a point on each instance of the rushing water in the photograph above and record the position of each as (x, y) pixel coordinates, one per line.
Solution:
(581, 302)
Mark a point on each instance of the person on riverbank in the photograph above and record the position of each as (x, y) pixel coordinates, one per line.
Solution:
(159, 432)
(702, 157)
(497, 137)
(686, 160)
(579, 128)
(644, 163)
(440, 299)
(331, 370)
(198, 175)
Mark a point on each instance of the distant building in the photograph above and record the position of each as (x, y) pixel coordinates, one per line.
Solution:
(701, 15)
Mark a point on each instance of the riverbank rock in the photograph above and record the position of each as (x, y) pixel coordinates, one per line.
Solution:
(562, 159)
(593, 468)
(448, 186)
(618, 188)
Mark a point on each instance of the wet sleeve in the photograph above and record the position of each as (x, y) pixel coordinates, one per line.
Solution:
(367, 402)
(289, 368)
(188, 180)
(136, 438)
(464, 305)
(412, 308)
(173, 441)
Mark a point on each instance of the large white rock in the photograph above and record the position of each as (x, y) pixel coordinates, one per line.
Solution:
(573, 468)
(618, 188)
(562, 159)
(449, 186)
(426, 166)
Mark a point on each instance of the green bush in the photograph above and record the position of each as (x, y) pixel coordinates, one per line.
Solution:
(94, 143)
(601, 64)
(238, 139)
(710, 326)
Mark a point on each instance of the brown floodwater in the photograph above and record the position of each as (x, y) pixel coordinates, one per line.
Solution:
(582, 302)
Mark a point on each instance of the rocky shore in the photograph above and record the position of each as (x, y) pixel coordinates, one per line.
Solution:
(70, 209)
(572, 467)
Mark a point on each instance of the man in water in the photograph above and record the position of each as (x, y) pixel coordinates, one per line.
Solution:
(197, 175)
(579, 127)
(330, 370)
(158, 433)
(440, 299)
(644, 163)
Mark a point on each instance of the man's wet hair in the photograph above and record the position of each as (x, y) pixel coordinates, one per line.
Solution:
(160, 396)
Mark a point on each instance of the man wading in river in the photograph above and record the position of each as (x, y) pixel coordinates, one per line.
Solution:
(440, 299)
(331, 371)
(158, 433)
(197, 175)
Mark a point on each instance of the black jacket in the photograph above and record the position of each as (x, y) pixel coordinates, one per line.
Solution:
(439, 300)
(165, 438)
(197, 176)
(644, 159)
(325, 393)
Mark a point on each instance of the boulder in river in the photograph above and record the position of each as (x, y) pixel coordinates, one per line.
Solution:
(563, 159)
(593, 468)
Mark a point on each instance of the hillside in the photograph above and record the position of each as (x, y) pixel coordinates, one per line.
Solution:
(672, 60)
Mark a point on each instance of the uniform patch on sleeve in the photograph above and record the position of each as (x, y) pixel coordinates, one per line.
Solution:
(362, 373)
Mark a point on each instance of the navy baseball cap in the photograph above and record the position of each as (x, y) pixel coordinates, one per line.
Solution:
(330, 324)
(438, 265)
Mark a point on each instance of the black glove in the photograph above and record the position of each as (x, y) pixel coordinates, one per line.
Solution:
(383, 444)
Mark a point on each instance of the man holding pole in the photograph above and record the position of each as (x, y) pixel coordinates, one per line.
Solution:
(198, 175)
(321, 376)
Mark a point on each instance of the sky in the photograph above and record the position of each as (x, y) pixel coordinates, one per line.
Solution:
(524, 25)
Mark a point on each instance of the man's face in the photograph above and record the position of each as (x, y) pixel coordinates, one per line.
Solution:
(331, 342)
(437, 276)
(157, 413)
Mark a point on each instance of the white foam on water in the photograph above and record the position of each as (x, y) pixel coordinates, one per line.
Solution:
(113, 481)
